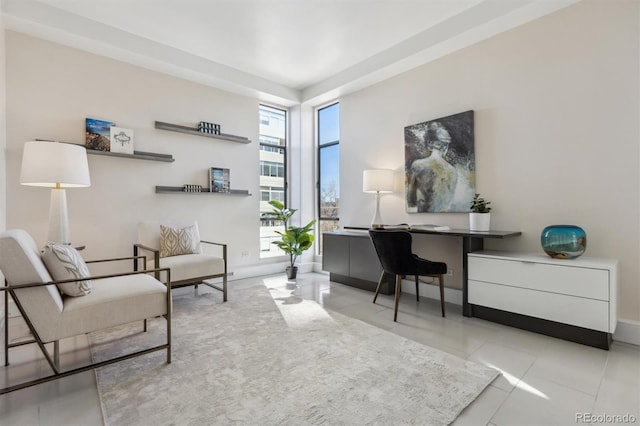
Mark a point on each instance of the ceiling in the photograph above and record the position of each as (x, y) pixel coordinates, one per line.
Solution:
(285, 51)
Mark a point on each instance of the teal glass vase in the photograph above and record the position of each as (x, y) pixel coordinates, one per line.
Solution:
(563, 241)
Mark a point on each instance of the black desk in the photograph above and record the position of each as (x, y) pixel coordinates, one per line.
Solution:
(471, 241)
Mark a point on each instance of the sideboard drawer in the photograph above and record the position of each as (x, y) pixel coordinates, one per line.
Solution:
(572, 299)
(573, 310)
(570, 280)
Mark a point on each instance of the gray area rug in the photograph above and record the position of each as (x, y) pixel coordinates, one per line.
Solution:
(267, 357)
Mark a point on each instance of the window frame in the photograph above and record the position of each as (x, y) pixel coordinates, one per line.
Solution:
(319, 147)
(275, 148)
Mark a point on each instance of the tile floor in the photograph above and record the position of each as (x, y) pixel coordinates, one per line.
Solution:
(545, 381)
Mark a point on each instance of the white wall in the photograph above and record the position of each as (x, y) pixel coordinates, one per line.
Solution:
(556, 106)
(3, 128)
(51, 89)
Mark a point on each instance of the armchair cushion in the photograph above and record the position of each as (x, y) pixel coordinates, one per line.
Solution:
(65, 263)
(189, 266)
(114, 301)
(178, 241)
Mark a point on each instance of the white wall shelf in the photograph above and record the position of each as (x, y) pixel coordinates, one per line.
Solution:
(194, 131)
(179, 190)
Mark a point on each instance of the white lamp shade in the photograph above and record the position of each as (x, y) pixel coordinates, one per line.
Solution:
(54, 164)
(377, 180)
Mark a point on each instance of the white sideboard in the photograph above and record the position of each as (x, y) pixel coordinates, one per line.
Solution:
(574, 299)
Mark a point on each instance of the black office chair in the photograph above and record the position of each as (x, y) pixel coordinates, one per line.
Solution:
(394, 251)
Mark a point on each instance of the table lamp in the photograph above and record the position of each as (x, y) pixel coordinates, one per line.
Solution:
(378, 181)
(55, 165)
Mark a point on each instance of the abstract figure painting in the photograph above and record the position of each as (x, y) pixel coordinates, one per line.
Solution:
(440, 164)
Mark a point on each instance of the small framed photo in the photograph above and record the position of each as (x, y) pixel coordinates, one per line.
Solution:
(219, 180)
(98, 134)
(121, 140)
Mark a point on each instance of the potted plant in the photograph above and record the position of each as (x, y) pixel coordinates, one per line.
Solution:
(295, 239)
(480, 216)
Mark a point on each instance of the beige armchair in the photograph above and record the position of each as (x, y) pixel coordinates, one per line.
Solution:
(51, 315)
(177, 245)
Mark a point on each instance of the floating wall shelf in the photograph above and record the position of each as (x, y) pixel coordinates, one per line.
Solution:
(194, 131)
(179, 190)
(138, 155)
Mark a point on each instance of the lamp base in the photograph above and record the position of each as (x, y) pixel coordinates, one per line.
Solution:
(376, 222)
(58, 217)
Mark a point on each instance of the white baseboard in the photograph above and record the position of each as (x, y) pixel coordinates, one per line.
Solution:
(627, 331)
(267, 269)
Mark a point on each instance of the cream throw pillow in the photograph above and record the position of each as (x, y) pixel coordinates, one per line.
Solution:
(65, 263)
(177, 241)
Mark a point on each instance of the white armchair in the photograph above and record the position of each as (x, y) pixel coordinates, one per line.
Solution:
(177, 245)
(51, 315)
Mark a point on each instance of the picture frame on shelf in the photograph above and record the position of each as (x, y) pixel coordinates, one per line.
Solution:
(121, 140)
(219, 179)
(98, 134)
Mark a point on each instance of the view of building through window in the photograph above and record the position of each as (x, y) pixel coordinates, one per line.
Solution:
(328, 170)
(273, 175)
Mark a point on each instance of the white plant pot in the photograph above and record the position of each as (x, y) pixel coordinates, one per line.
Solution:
(479, 221)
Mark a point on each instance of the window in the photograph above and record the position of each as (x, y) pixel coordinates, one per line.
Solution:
(328, 169)
(271, 168)
(273, 174)
(268, 193)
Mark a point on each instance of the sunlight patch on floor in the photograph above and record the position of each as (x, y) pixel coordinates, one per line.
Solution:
(296, 311)
(520, 384)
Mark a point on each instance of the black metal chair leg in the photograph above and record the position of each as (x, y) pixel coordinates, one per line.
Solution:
(398, 290)
(441, 281)
(378, 286)
(417, 289)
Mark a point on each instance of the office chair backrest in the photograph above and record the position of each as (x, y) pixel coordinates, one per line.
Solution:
(394, 251)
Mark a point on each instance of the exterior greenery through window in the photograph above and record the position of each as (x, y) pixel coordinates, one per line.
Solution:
(328, 170)
(273, 174)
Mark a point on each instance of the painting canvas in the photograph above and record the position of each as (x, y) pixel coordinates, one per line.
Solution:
(98, 134)
(219, 179)
(121, 140)
(440, 164)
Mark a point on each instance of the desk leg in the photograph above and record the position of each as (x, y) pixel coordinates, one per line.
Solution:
(469, 244)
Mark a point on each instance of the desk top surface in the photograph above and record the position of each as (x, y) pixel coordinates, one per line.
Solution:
(454, 232)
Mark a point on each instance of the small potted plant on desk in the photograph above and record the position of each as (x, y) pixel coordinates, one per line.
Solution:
(295, 239)
(480, 216)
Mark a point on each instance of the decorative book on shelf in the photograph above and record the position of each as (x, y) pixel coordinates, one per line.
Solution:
(219, 179)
